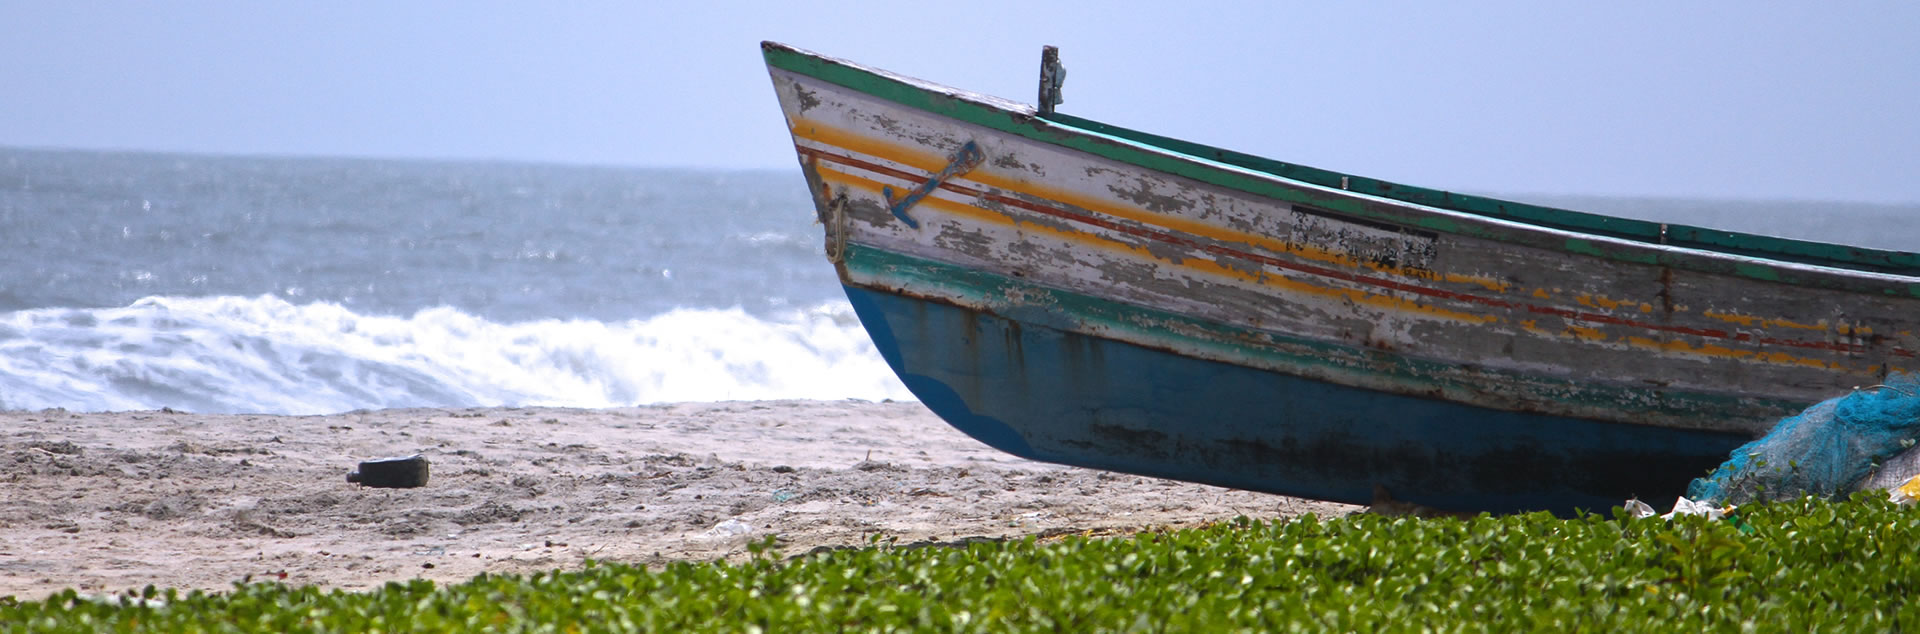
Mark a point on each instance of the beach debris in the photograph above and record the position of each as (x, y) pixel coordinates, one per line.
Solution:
(1828, 451)
(1905, 494)
(1894, 472)
(1684, 506)
(730, 528)
(404, 472)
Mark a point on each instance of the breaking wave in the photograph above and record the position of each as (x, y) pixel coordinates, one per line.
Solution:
(267, 355)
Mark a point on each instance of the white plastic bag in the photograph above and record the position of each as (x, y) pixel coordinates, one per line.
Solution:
(1685, 506)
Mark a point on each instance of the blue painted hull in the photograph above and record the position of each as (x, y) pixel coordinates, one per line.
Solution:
(1051, 395)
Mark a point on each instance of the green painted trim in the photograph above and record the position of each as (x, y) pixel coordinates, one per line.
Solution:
(1583, 247)
(1217, 166)
(1091, 315)
(1758, 272)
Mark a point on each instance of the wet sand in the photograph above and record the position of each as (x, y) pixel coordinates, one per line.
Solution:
(105, 502)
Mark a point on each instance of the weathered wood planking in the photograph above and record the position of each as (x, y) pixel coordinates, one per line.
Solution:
(1089, 231)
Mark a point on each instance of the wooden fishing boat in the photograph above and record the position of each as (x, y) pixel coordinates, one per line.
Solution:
(1077, 292)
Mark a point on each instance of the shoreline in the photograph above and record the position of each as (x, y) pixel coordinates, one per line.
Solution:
(105, 502)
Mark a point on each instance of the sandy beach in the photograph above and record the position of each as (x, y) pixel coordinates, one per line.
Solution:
(105, 502)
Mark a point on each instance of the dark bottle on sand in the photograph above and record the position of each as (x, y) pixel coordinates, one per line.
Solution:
(404, 472)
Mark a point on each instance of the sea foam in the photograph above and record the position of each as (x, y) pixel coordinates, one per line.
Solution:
(267, 355)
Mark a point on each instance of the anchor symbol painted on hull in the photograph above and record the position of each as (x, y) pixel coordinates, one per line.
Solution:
(961, 162)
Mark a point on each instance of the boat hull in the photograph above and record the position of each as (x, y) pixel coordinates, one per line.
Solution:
(1075, 292)
(1048, 394)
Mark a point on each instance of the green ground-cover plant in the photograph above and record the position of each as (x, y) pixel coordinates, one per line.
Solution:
(1803, 565)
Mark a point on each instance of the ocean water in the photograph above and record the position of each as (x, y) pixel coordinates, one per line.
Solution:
(305, 286)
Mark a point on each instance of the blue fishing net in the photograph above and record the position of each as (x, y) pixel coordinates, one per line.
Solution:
(1823, 451)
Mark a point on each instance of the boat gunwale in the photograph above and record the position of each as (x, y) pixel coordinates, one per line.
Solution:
(1754, 256)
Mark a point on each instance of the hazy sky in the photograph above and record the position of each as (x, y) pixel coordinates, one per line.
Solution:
(1719, 99)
